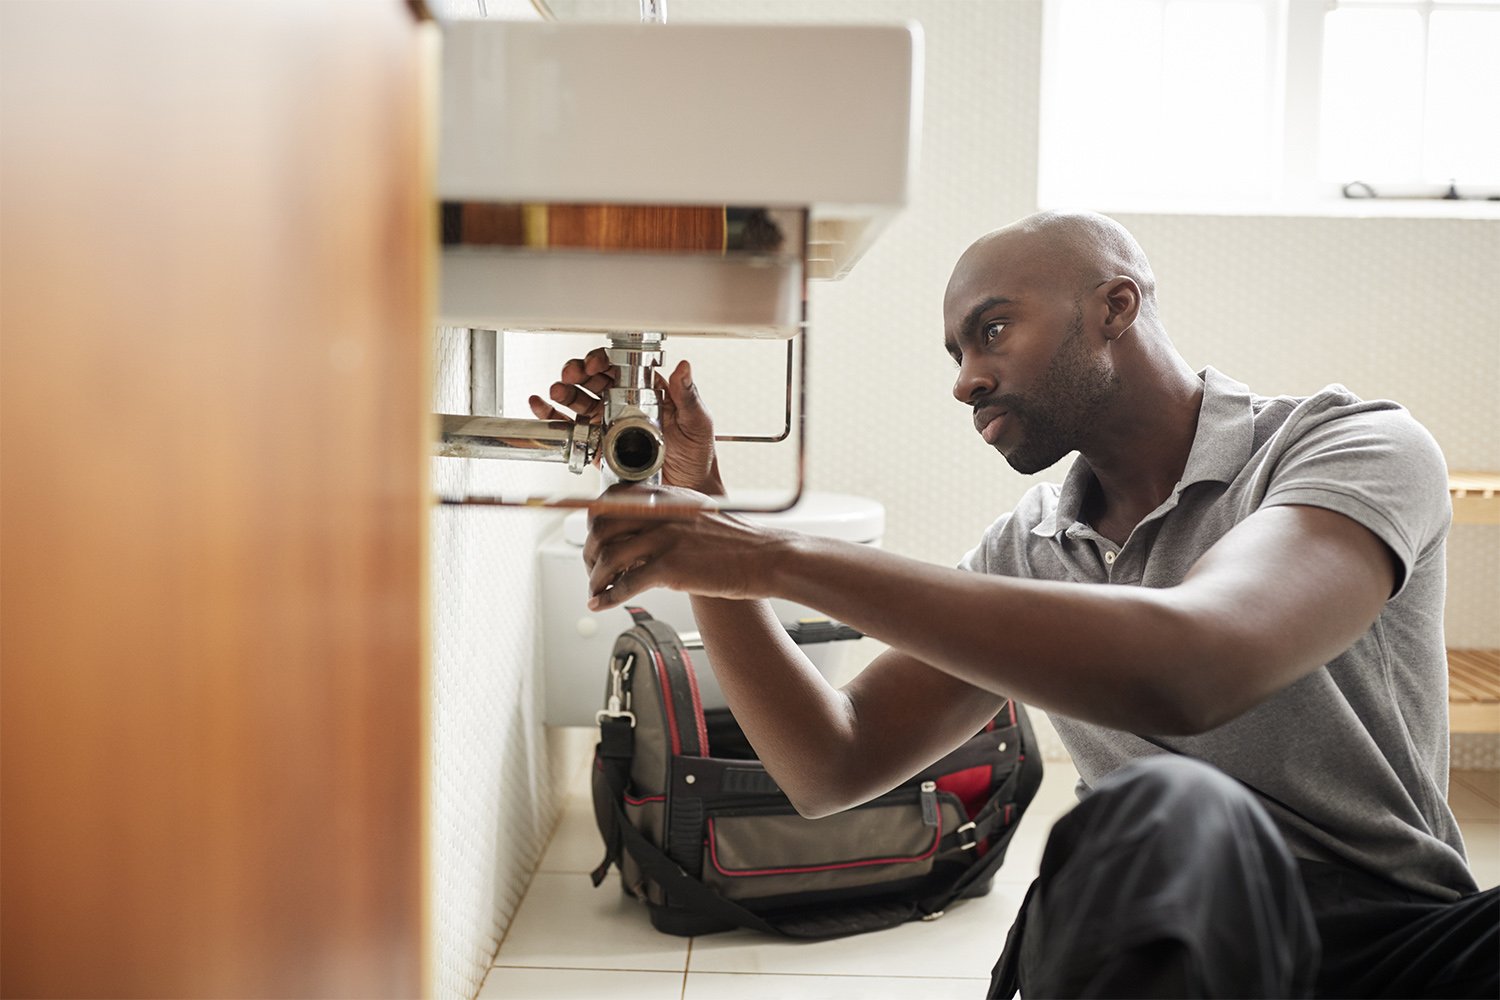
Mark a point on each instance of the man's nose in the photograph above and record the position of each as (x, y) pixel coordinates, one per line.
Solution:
(972, 382)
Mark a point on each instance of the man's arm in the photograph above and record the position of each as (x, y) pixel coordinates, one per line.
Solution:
(1285, 591)
(830, 749)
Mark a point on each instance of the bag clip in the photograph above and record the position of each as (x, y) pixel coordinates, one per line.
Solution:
(618, 706)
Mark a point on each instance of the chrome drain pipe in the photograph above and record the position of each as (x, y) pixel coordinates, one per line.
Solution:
(463, 436)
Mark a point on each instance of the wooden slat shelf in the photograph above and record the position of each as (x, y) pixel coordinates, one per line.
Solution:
(1476, 497)
(1474, 690)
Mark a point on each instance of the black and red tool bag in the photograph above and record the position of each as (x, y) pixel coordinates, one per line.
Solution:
(705, 838)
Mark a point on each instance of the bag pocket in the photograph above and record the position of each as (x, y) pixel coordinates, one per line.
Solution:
(753, 855)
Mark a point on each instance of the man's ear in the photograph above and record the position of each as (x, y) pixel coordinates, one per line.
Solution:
(1122, 297)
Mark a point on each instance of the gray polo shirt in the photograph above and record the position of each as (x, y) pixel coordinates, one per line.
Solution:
(1352, 760)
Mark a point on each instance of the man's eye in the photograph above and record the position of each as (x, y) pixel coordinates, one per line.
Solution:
(991, 332)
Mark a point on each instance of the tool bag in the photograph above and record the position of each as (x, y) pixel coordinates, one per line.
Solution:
(705, 838)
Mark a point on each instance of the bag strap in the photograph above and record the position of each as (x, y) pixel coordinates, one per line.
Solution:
(614, 754)
(612, 757)
(679, 885)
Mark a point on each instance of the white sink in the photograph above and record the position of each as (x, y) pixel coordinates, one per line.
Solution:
(808, 117)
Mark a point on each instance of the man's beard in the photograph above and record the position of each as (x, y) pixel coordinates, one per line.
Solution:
(1056, 414)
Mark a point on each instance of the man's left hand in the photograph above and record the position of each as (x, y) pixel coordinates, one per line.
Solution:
(702, 552)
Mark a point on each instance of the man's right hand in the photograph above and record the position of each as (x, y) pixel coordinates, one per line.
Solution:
(687, 428)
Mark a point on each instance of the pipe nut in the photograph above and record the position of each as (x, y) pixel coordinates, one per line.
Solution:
(584, 444)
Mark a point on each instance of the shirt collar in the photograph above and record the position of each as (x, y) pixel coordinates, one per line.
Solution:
(1221, 447)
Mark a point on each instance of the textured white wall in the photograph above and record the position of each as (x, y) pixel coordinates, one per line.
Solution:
(493, 779)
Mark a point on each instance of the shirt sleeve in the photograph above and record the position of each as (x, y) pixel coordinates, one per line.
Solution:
(1373, 463)
(980, 559)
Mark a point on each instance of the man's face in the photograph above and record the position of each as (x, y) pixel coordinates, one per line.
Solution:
(1036, 377)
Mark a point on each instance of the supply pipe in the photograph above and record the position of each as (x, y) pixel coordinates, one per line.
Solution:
(633, 446)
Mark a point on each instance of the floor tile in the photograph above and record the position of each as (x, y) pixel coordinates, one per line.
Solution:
(963, 943)
(733, 986)
(1486, 783)
(566, 923)
(575, 846)
(579, 984)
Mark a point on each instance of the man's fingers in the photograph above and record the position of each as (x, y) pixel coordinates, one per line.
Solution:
(600, 383)
(692, 415)
(623, 563)
(604, 532)
(542, 411)
(573, 371)
(597, 361)
(626, 585)
(594, 371)
(577, 400)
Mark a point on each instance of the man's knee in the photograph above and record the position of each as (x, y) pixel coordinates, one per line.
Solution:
(1173, 778)
(1169, 855)
(1159, 801)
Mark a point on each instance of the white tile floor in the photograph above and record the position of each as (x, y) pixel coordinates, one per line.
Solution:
(571, 940)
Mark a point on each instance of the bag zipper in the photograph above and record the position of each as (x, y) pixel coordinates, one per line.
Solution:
(929, 803)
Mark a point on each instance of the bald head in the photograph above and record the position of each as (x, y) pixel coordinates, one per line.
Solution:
(1067, 252)
(1051, 325)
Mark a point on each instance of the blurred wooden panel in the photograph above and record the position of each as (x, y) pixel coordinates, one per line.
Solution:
(636, 227)
(679, 228)
(213, 325)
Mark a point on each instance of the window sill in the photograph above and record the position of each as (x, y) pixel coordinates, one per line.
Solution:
(1347, 208)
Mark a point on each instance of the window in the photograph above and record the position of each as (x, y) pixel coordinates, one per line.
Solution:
(1265, 104)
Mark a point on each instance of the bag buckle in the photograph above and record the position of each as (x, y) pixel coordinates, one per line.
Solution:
(618, 705)
(965, 832)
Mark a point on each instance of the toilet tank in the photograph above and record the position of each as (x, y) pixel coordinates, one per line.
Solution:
(576, 642)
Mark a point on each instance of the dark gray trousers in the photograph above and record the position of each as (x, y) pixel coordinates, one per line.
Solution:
(1170, 880)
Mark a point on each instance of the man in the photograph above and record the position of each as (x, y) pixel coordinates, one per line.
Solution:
(1232, 609)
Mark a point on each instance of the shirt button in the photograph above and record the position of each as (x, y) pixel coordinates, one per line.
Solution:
(1109, 558)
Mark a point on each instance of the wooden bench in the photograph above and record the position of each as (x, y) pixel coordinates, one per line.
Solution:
(1474, 674)
(1476, 497)
(1474, 690)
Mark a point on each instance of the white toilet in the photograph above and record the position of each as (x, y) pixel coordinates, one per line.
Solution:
(576, 642)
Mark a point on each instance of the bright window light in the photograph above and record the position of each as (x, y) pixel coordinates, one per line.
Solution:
(1372, 95)
(1254, 104)
(1142, 94)
(1463, 98)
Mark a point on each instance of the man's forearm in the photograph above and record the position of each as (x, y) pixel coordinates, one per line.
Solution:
(1284, 592)
(1108, 655)
(799, 724)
